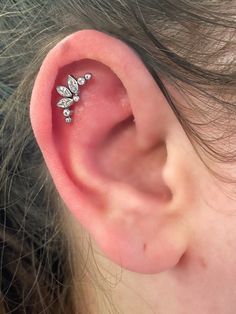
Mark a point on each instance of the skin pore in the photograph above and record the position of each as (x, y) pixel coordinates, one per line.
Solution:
(170, 225)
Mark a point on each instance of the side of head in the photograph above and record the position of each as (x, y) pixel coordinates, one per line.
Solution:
(134, 166)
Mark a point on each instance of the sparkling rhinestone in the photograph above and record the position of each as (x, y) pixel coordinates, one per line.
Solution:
(64, 91)
(88, 76)
(76, 98)
(65, 103)
(66, 112)
(68, 120)
(73, 85)
(81, 80)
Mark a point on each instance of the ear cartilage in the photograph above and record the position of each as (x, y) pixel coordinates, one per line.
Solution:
(71, 94)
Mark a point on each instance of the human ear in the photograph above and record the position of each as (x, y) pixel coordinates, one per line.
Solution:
(117, 164)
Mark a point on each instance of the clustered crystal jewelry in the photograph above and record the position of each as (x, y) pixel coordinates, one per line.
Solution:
(71, 94)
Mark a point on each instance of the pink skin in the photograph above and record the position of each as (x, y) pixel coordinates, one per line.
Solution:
(138, 187)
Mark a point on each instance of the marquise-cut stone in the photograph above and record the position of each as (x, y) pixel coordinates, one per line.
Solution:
(65, 103)
(64, 91)
(73, 85)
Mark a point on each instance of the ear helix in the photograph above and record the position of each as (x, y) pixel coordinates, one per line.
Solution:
(71, 94)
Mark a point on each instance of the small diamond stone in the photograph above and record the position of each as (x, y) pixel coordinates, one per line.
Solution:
(88, 76)
(64, 91)
(76, 98)
(65, 102)
(68, 120)
(73, 85)
(81, 80)
(66, 112)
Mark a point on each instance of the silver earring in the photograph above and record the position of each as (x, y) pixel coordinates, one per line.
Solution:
(71, 94)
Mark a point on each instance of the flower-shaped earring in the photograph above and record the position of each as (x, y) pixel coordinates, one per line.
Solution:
(71, 94)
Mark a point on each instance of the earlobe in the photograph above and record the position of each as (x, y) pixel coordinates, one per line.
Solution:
(108, 169)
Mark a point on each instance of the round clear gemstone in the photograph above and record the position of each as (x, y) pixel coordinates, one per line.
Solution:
(76, 98)
(88, 76)
(68, 120)
(81, 80)
(66, 112)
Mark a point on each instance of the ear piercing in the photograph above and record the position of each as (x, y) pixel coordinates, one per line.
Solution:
(71, 94)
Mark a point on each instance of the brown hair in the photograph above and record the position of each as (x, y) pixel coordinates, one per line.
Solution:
(187, 42)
